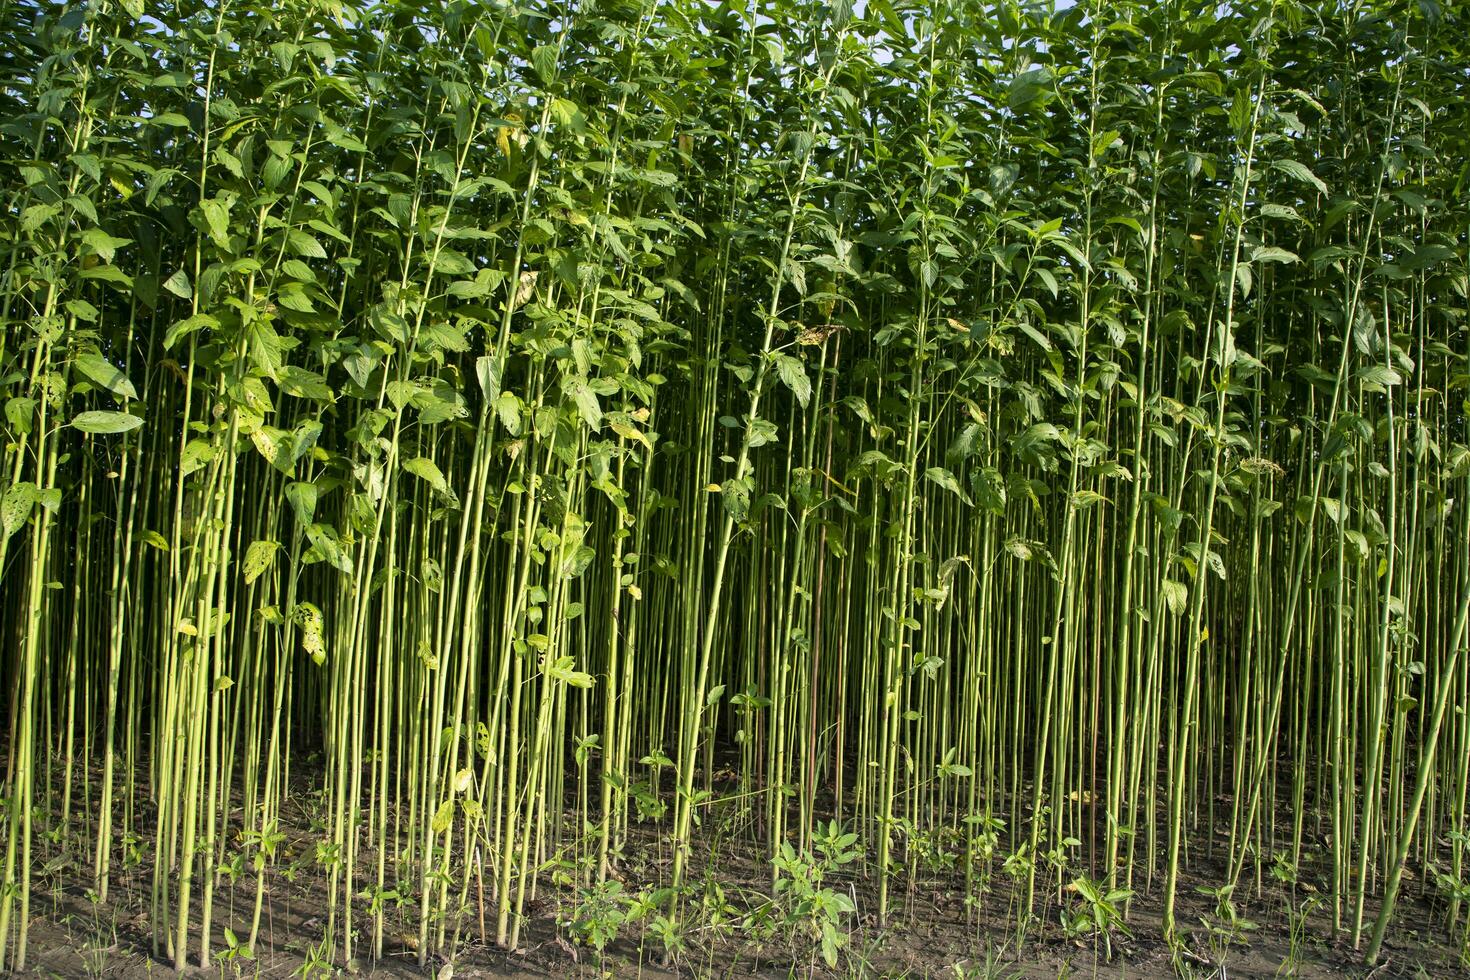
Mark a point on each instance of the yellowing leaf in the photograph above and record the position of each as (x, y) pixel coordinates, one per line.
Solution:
(258, 558)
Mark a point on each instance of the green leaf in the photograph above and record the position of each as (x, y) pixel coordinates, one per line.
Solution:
(108, 273)
(309, 618)
(324, 540)
(761, 432)
(305, 245)
(1245, 277)
(946, 479)
(1102, 141)
(33, 217)
(562, 671)
(400, 393)
(179, 285)
(1300, 172)
(104, 373)
(103, 245)
(153, 540)
(1028, 87)
(1035, 335)
(83, 310)
(1380, 376)
(1084, 499)
(1270, 253)
(18, 413)
(735, 495)
(587, 405)
(186, 326)
(1176, 595)
(106, 423)
(258, 558)
(1020, 548)
(293, 297)
(216, 215)
(15, 506)
(428, 471)
(302, 383)
(443, 816)
(508, 408)
(302, 498)
(990, 490)
(793, 376)
(488, 370)
(543, 58)
(198, 453)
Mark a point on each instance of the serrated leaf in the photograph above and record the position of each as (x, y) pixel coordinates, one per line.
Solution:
(1020, 548)
(108, 273)
(400, 393)
(488, 370)
(309, 618)
(267, 441)
(508, 409)
(1245, 277)
(793, 376)
(305, 245)
(18, 413)
(1084, 499)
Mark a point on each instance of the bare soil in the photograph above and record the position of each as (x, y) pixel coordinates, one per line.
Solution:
(931, 932)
